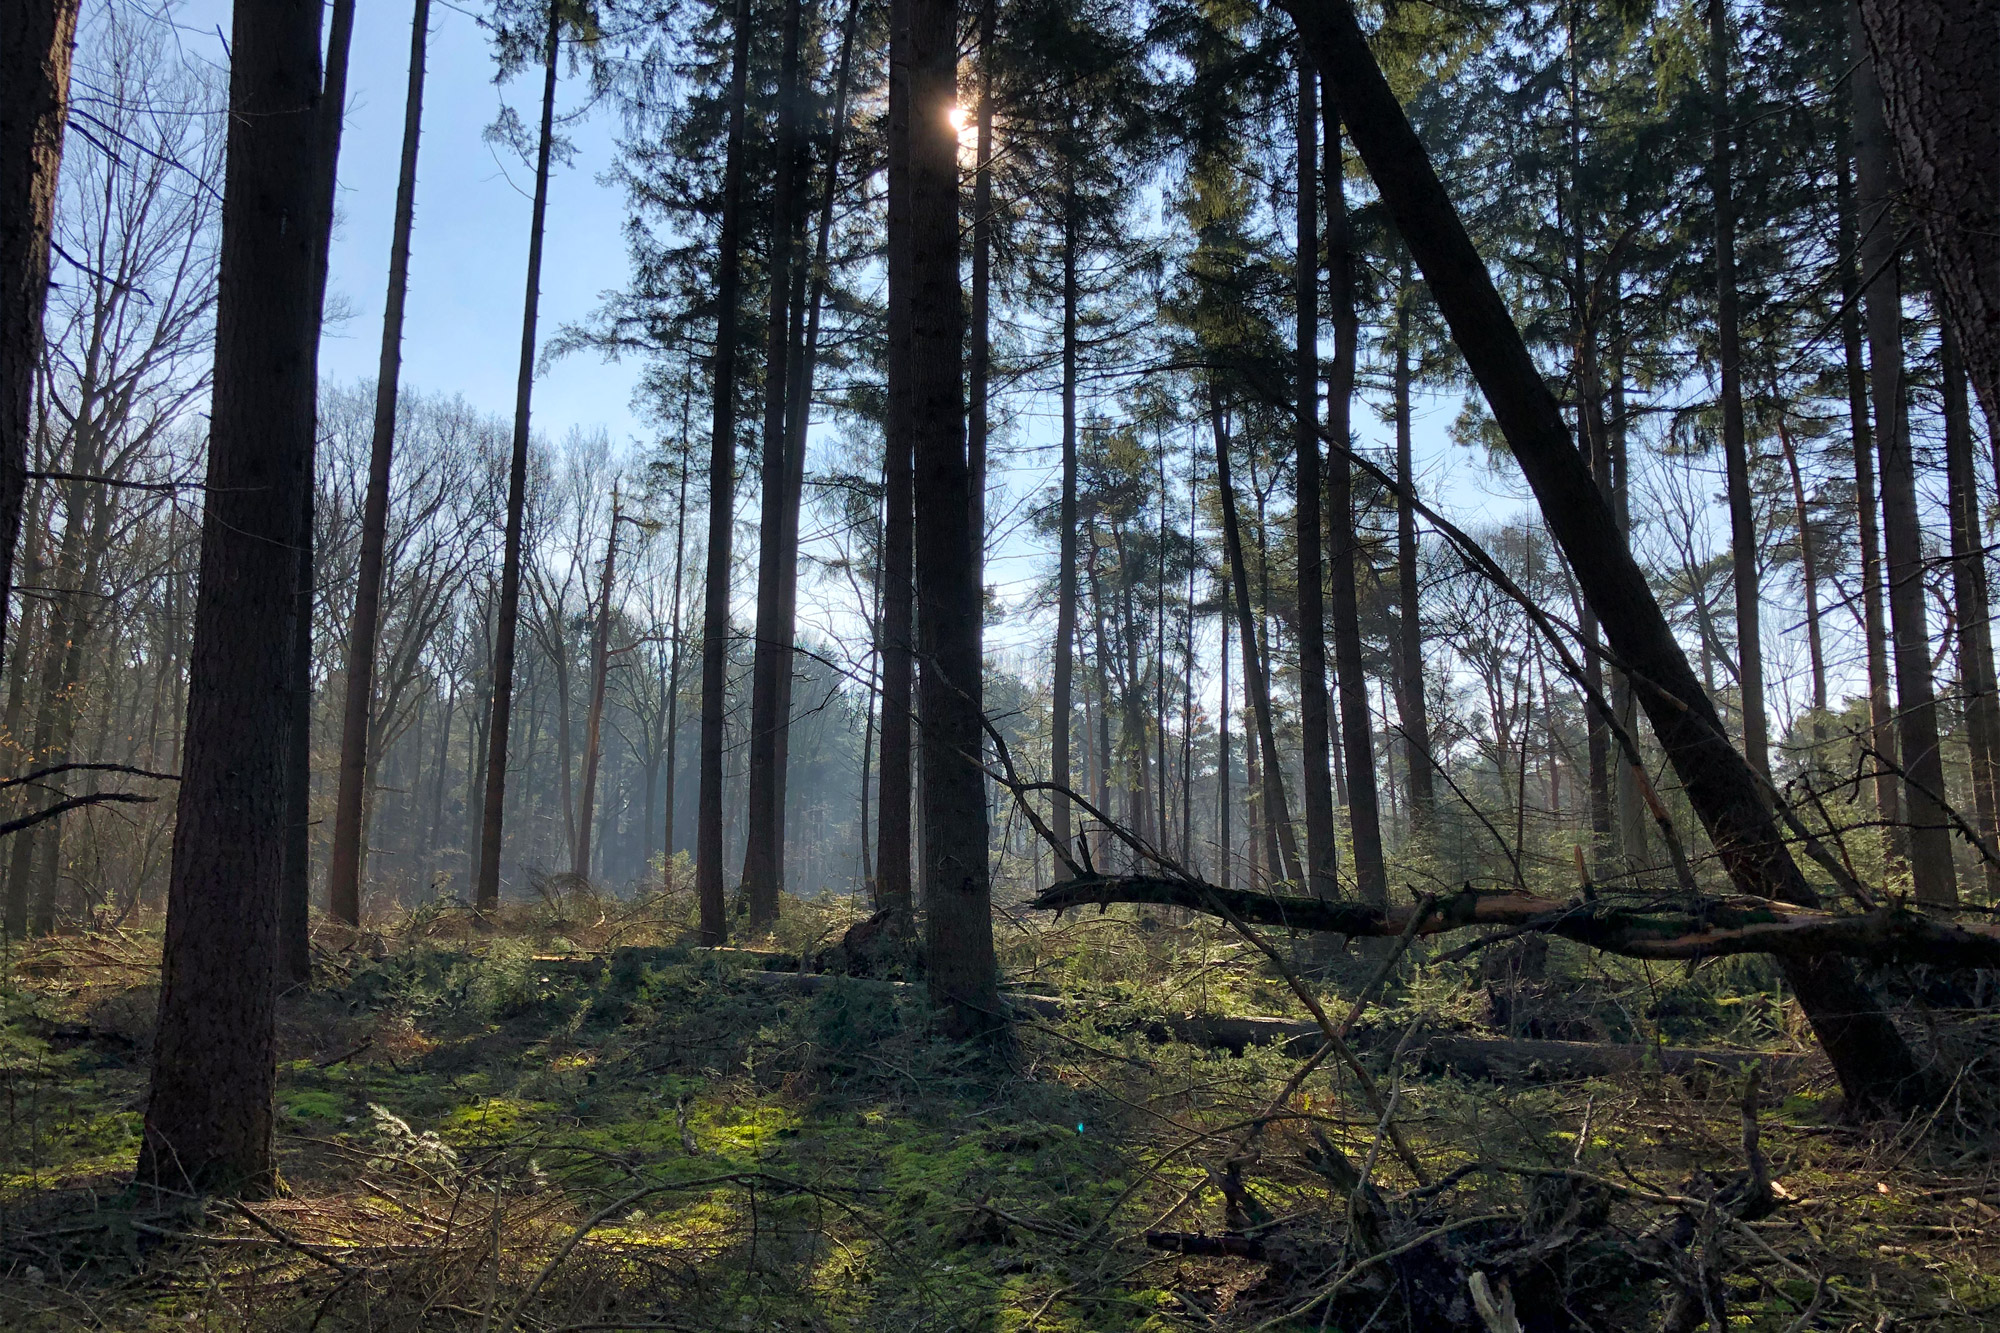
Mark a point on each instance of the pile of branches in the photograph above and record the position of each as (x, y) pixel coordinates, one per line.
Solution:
(1578, 1250)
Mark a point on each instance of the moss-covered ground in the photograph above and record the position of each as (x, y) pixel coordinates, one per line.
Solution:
(495, 1132)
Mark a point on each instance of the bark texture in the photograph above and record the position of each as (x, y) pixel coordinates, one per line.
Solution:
(37, 42)
(960, 967)
(1929, 832)
(208, 1125)
(1315, 706)
(1935, 62)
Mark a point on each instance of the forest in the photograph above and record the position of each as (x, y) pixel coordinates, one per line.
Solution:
(1238, 664)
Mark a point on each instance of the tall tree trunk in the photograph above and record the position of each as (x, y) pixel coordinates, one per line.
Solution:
(1875, 1065)
(771, 658)
(80, 566)
(979, 351)
(346, 861)
(960, 968)
(674, 662)
(809, 299)
(487, 896)
(1065, 654)
(1934, 60)
(1225, 848)
(1629, 806)
(1931, 872)
(893, 890)
(295, 889)
(1315, 725)
(1411, 703)
(1729, 355)
(37, 43)
(721, 507)
(24, 753)
(481, 721)
(600, 670)
(1364, 816)
(1969, 588)
(1225, 843)
(209, 1115)
(1276, 813)
(1809, 576)
(1868, 522)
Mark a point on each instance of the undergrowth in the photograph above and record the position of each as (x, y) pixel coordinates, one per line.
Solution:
(576, 1122)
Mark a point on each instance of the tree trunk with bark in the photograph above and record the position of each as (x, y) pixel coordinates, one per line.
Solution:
(960, 967)
(487, 894)
(674, 666)
(894, 892)
(1809, 577)
(37, 44)
(1364, 815)
(721, 507)
(1735, 447)
(1931, 872)
(1411, 703)
(1934, 61)
(1875, 1065)
(1970, 597)
(1868, 522)
(1061, 696)
(1276, 814)
(771, 655)
(1315, 708)
(209, 1115)
(347, 861)
(600, 672)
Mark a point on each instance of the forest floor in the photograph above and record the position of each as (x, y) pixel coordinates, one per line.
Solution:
(496, 1132)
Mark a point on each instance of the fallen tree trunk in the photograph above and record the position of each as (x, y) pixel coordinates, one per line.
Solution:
(1634, 927)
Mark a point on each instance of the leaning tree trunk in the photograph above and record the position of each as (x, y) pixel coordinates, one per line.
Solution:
(1935, 63)
(37, 43)
(960, 969)
(893, 891)
(771, 653)
(1364, 815)
(1315, 709)
(209, 1116)
(1875, 1065)
(1735, 448)
(487, 894)
(1931, 871)
(345, 864)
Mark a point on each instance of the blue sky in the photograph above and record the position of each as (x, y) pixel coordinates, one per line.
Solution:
(470, 245)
